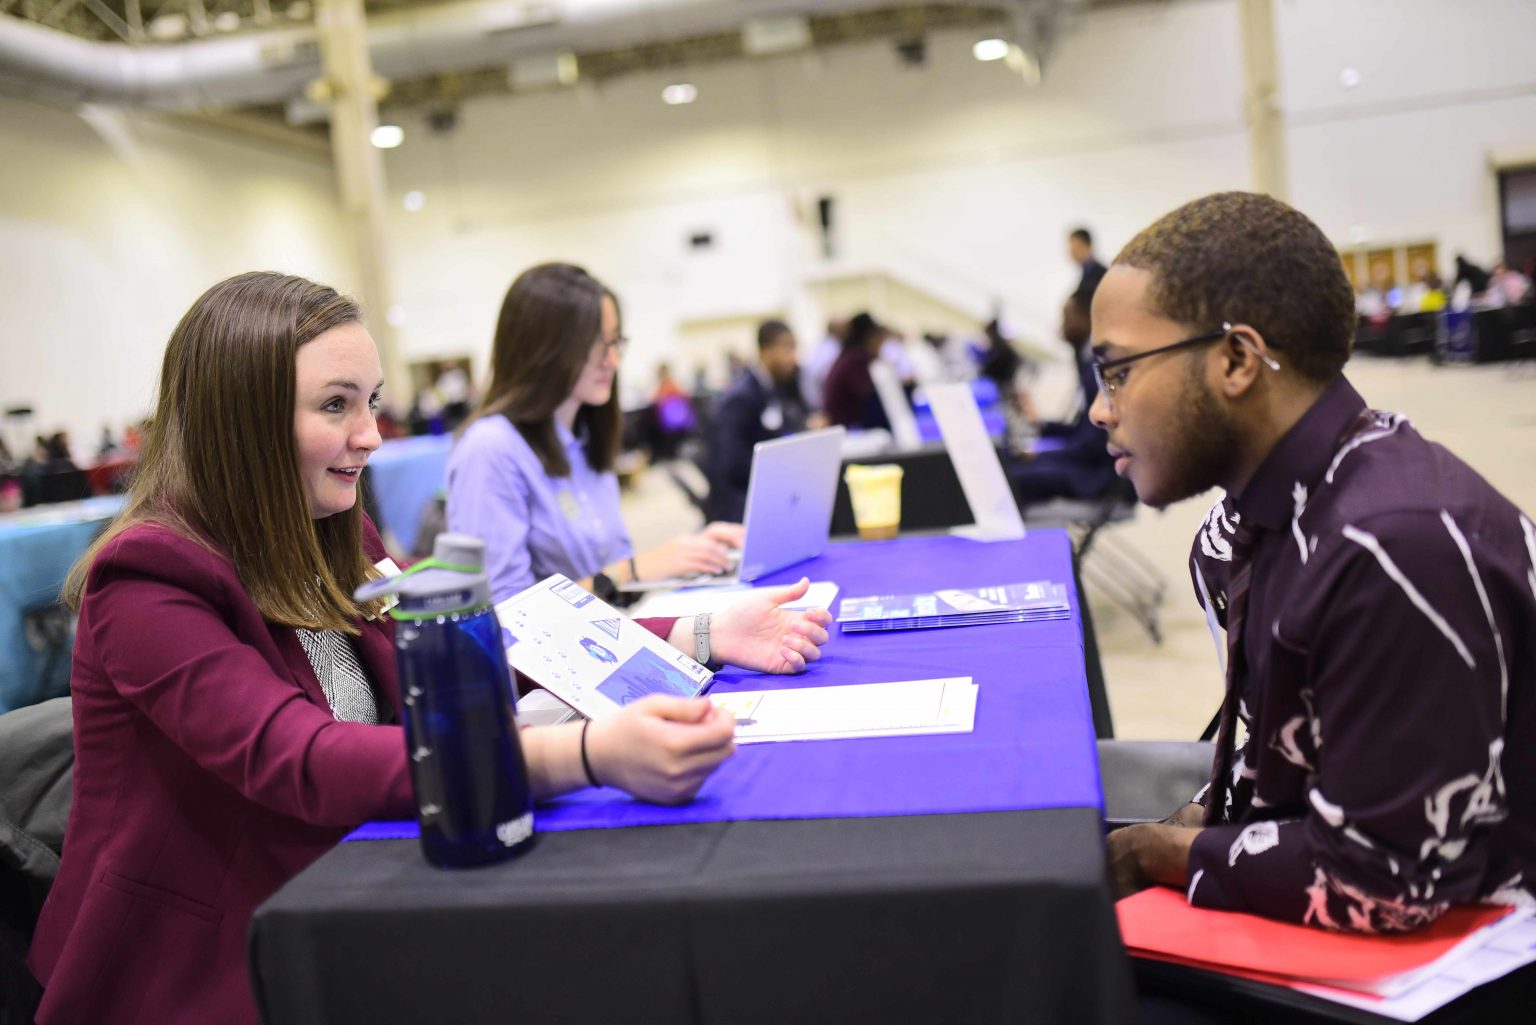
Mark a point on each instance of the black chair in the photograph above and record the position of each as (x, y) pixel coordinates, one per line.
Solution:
(37, 764)
(1148, 780)
(57, 485)
(1370, 336)
(1411, 334)
(1507, 333)
(1118, 570)
(689, 471)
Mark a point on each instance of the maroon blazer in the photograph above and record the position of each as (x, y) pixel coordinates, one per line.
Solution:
(208, 771)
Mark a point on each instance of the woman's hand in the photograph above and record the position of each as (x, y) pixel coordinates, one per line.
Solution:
(661, 748)
(684, 556)
(755, 633)
(732, 535)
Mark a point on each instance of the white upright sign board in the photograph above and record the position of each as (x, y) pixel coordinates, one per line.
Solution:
(898, 411)
(976, 464)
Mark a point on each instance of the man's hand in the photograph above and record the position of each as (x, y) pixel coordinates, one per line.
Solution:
(1148, 854)
(1192, 815)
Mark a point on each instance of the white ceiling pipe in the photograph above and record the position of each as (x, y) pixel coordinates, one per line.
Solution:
(272, 65)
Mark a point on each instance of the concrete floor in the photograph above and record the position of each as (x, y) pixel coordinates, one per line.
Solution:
(1486, 415)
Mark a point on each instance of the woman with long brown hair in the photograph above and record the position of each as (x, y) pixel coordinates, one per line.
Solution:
(235, 708)
(532, 474)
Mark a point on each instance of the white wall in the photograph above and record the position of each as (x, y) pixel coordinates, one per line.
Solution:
(1404, 155)
(111, 225)
(955, 176)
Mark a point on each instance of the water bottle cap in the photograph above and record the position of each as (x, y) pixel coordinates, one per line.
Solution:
(459, 550)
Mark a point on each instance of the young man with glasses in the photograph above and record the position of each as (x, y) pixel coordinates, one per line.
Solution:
(1378, 595)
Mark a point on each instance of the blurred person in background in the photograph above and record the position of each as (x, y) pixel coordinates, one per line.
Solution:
(820, 364)
(1080, 250)
(1000, 361)
(1507, 286)
(763, 402)
(1074, 462)
(1475, 277)
(849, 398)
(672, 416)
(1427, 292)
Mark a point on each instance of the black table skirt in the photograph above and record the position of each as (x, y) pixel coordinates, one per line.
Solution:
(1000, 917)
(931, 496)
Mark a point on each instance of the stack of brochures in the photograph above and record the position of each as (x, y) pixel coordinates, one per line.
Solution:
(979, 606)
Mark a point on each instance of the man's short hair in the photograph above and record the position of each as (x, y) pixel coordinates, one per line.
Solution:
(769, 331)
(1244, 258)
(1083, 236)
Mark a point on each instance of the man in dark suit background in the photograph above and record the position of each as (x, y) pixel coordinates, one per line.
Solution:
(1080, 248)
(1077, 465)
(763, 402)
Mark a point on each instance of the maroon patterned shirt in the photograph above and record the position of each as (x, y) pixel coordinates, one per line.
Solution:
(1389, 699)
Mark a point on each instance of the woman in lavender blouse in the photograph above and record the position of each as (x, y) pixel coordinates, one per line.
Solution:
(532, 473)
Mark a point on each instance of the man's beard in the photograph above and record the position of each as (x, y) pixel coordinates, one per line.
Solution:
(1203, 448)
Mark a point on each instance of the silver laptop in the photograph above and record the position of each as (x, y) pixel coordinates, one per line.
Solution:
(789, 509)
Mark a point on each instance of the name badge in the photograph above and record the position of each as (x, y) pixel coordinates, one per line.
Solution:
(569, 506)
(387, 567)
(773, 418)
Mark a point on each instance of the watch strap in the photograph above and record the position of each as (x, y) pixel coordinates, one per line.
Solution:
(701, 652)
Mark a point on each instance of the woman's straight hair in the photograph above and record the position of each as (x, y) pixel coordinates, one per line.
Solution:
(550, 320)
(220, 463)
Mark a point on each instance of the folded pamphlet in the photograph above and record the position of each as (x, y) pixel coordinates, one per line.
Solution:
(1003, 603)
(589, 654)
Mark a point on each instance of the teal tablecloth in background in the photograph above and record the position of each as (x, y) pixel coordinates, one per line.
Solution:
(37, 548)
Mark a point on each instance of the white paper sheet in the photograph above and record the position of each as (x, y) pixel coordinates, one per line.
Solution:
(1505, 946)
(905, 708)
(689, 601)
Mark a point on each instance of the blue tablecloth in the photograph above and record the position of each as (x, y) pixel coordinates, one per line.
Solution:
(1033, 745)
(405, 474)
(992, 416)
(37, 548)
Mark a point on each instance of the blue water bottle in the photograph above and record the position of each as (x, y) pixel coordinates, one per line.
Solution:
(473, 798)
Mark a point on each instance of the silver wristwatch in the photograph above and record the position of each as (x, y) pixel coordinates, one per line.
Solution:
(701, 641)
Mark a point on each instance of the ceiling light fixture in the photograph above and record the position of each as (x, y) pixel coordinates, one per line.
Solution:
(990, 49)
(415, 200)
(1349, 78)
(679, 93)
(387, 136)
